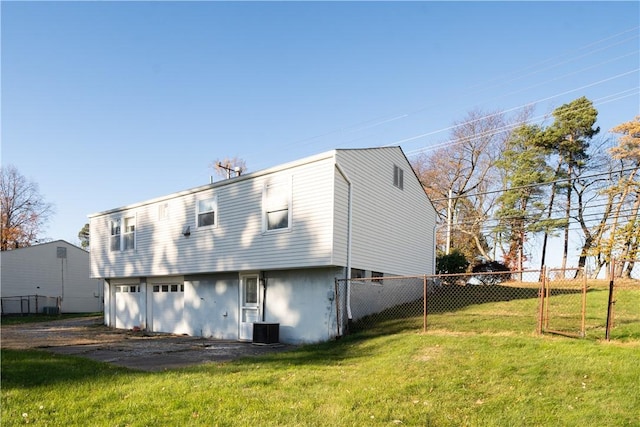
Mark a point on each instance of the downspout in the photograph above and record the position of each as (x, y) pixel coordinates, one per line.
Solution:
(349, 225)
(263, 281)
(435, 249)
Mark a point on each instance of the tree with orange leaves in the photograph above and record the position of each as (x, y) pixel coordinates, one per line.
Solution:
(23, 210)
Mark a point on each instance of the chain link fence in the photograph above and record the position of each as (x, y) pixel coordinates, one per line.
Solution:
(478, 302)
(30, 304)
(521, 302)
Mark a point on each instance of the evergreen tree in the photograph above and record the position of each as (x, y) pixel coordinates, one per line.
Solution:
(568, 140)
(520, 206)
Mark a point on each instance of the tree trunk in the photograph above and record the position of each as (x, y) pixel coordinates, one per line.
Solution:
(546, 231)
(567, 214)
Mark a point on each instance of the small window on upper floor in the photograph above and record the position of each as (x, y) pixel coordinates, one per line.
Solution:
(206, 212)
(163, 211)
(398, 177)
(276, 204)
(129, 237)
(114, 239)
(122, 238)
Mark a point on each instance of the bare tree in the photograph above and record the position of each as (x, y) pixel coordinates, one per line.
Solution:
(628, 152)
(607, 203)
(458, 178)
(23, 210)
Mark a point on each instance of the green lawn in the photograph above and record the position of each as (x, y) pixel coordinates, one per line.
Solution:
(16, 319)
(479, 365)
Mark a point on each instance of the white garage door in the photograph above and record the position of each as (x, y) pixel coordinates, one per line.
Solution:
(127, 306)
(168, 306)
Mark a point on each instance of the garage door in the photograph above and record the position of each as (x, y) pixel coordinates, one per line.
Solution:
(127, 306)
(168, 307)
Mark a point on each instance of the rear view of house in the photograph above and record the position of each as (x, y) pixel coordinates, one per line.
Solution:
(264, 247)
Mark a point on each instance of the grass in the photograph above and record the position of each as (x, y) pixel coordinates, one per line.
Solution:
(408, 378)
(473, 375)
(17, 319)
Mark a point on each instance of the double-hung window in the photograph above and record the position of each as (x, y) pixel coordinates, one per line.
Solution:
(206, 212)
(114, 239)
(276, 203)
(122, 233)
(129, 237)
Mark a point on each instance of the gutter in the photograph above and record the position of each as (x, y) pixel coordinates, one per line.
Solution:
(349, 226)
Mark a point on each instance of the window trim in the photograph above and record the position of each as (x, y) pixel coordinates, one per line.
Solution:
(122, 233)
(213, 198)
(286, 183)
(115, 229)
(169, 287)
(126, 233)
(163, 211)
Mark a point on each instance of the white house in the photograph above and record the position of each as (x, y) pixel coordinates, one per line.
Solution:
(265, 247)
(56, 272)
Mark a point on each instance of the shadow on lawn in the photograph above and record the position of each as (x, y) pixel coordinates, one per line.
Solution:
(35, 368)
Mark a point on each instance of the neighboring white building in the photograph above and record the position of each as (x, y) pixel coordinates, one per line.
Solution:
(263, 247)
(58, 270)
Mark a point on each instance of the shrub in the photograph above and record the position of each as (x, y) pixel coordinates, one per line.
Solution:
(454, 263)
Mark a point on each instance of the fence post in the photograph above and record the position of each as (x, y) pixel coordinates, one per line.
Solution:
(547, 290)
(610, 302)
(541, 301)
(424, 308)
(584, 304)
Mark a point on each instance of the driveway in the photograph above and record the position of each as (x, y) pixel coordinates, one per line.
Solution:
(88, 337)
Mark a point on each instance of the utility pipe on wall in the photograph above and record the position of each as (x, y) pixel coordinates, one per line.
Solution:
(349, 219)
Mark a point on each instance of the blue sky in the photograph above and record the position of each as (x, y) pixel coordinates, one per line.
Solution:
(110, 103)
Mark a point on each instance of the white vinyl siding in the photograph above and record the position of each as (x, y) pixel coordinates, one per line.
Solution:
(239, 241)
(392, 231)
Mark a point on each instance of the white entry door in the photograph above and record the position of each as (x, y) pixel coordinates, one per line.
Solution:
(249, 305)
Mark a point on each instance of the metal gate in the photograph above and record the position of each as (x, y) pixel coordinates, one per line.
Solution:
(563, 302)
